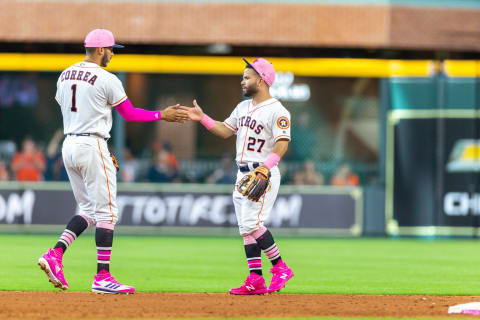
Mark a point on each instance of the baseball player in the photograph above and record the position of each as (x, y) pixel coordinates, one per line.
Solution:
(87, 94)
(262, 127)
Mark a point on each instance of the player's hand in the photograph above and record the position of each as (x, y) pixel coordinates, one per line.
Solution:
(195, 113)
(175, 113)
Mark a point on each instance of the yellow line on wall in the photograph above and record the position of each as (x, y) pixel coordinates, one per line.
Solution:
(466, 68)
(317, 67)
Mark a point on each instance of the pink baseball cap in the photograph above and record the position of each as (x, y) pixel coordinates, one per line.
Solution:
(264, 69)
(100, 38)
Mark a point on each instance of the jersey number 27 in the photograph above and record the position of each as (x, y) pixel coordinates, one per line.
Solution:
(252, 142)
(74, 98)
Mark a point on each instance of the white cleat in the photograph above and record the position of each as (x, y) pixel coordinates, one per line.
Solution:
(104, 282)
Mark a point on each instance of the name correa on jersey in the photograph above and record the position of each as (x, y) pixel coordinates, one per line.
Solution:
(78, 75)
(86, 94)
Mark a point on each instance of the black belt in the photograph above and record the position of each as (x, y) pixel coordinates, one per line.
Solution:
(86, 135)
(246, 168)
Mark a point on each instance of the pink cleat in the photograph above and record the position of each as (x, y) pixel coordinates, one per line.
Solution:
(51, 263)
(254, 284)
(281, 274)
(104, 282)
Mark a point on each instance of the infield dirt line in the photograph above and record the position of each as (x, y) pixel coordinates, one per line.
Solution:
(85, 305)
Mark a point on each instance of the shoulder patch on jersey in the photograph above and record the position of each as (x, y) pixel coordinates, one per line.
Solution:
(283, 123)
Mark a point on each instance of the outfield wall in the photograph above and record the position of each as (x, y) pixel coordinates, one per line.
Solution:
(184, 209)
(433, 153)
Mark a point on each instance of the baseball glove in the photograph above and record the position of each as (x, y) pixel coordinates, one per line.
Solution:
(115, 162)
(255, 184)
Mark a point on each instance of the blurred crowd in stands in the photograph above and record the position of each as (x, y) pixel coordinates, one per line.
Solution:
(30, 162)
(17, 91)
(334, 137)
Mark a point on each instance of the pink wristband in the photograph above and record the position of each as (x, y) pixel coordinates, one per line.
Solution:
(272, 160)
(208, 122)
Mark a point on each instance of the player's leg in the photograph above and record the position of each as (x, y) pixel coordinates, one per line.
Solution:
(101, 183)
(264, 238)
(281, 272)
(255, 283)
(51, 261)
(253, 254)
(81, 221)
(252, 250)
(73, 230)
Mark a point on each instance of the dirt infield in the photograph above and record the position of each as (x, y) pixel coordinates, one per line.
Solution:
(80, 305)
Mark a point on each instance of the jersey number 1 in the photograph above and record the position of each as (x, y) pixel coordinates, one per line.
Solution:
(74, 98)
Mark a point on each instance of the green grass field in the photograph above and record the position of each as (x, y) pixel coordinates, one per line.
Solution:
(208, 264)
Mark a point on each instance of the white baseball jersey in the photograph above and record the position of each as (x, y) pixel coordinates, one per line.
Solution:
(86, 94)
(258, 128)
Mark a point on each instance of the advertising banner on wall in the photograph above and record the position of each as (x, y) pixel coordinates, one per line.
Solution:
(436, 175)
(321, 210)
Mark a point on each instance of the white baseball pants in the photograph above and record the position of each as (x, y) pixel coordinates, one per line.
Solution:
(251, 215)
(92, 176)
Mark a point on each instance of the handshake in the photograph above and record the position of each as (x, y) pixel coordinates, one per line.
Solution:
(179, 113)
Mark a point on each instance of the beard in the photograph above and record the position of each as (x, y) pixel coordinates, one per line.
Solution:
(251, 91)
(104, 60)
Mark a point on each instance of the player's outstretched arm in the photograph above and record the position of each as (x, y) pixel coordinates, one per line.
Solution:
(170, 114)
(215, 127)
